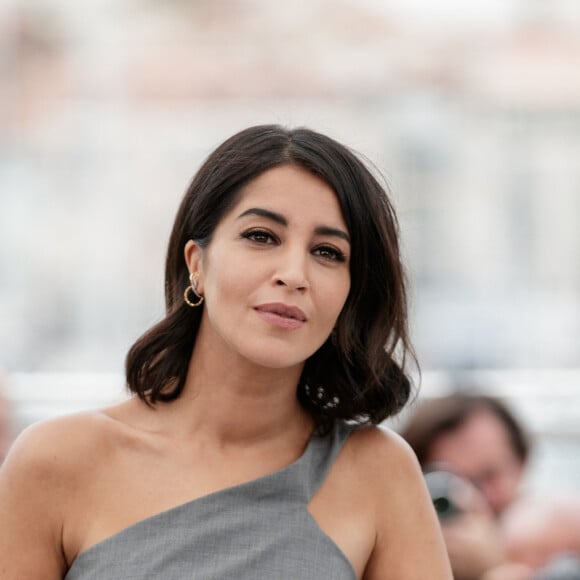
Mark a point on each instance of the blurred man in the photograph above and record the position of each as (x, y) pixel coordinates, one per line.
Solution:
(477, 438)
(469, 526)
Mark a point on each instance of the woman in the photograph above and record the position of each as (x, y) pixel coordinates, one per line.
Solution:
(285, 305)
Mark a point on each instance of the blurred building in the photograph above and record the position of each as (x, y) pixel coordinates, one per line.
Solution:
(108, 107)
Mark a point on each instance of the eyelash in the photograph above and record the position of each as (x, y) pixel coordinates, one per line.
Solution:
(265, 237)
(253, 236)
(335, 255)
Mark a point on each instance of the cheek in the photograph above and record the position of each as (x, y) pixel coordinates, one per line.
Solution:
(226, 282)
(222, 275)
(335, 296)
(223, 301)
(343, 289)
(230, 286)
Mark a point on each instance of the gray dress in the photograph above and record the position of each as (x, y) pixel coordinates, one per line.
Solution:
(259, 529)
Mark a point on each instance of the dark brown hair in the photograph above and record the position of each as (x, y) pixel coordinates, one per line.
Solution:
(445, 414)
(355, 374)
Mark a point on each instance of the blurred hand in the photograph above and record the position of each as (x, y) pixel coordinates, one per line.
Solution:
(509, 572)
(473, 544)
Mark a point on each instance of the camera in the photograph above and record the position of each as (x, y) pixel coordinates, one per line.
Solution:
(444, 487)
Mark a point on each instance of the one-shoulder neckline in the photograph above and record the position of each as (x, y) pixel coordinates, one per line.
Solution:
(201, 499)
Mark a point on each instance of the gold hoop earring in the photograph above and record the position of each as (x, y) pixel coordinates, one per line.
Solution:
(192, 288)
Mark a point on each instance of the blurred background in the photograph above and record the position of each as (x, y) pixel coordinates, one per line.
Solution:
(471, 111)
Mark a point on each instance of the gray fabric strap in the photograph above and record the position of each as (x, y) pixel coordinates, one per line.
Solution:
(322, 456)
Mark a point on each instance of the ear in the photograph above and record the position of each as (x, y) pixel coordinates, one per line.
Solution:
(194, 259)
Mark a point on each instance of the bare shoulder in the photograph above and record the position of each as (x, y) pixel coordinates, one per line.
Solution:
(408, 541)
(39, 481)
(54, 458)
(57, 446)
(384, 457)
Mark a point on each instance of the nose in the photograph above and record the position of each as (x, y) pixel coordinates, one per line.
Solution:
(293, 284)
(292, 272)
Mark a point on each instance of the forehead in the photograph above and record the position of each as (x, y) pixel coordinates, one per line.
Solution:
(481, 438)
(291, 189)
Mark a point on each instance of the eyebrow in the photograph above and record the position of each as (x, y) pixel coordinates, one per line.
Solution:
(280, 219)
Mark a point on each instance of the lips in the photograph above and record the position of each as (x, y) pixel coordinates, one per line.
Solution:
(283, 310)
(281, 316)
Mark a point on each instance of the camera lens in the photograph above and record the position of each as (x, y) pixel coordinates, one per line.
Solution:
(442, 505)
(441, 486)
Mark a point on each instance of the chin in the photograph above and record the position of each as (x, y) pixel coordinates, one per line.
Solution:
(277, 363)
(281, 357)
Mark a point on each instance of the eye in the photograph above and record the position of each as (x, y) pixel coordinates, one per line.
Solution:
(329, 253)
(260, 236)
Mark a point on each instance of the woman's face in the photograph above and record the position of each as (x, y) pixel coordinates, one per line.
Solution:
(276, 273)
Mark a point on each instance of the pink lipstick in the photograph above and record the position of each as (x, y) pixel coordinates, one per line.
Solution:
(281, 315)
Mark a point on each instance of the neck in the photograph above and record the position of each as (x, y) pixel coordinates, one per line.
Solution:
(239, 403)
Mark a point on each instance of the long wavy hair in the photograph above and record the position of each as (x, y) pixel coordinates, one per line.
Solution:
(359, 373)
